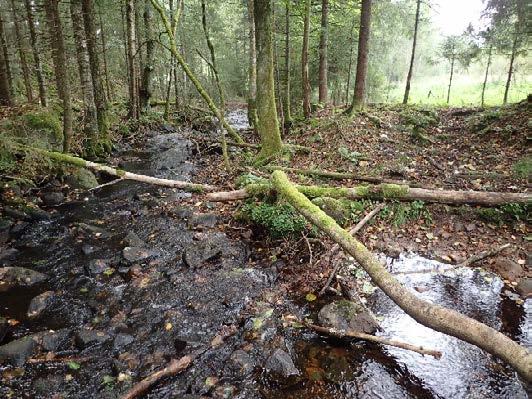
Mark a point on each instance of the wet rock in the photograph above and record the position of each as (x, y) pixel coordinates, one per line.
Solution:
(5, 226)
(4, 327)
(212, 247)
(133, 240)
(19, 277)
(136, 254)
(98, 266)
(507, 269)
(88, 249)
(8, 254)
(241, 363)
(18, 229)
(200, 252)
(91, 229)
(122, 340)
(18, 351)
(86, 337)
(347, 315)
(39, 304)
(49, 386)
(16, 213)
(53, 198)
(81, 178)
(53, 341)
(524, 287)
(281, 363)
(203, 220)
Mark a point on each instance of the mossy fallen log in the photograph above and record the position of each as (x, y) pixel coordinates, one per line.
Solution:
(122, 174)
(385, 191)
(431, 315)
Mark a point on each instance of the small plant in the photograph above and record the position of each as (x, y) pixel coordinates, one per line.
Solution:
(248, 178)
(352, 156)
(523, 168)
(280, 220)
(400, 213)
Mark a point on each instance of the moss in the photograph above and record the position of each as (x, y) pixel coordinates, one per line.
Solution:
(338, 209)
(523, 168)
(362, 191)
(280, 220)
(120, 172)
(44, 120)
(317, 191)
(393, 190)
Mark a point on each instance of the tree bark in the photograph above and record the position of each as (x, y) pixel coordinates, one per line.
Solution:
(413, 55)
(146, 88)
(104, 56)
(287, 62)
(26, 75)
(434, 316)
(304, 62)
(97, 84)
(35, 51)
(450, 79)
(359, 98)
(510, 68)
(252, 69)
(348, 86)
(268, 124)
(5, 84)
(60, 67)
(387, 191)
(484, 84)
(90, 116)
(324, 37)
(134, 111)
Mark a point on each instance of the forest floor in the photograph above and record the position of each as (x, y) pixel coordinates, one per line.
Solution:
(136, 275)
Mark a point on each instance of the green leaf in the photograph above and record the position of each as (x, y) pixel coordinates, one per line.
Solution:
(73, 365)
(108, 379)
(311, 297)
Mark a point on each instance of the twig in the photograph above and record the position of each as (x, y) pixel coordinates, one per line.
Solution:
(482, 255)
(309, 249)
(105, 184)
(175, 367)
(373, 338)
(336, 247)
(58, 360)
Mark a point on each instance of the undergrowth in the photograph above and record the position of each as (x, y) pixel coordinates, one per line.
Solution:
(279, 220)
(506, 213)
(399, 213)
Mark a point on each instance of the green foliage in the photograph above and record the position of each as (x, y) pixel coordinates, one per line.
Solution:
(480, 122)
(418, 117)
(352, 156)
(248, 178)
(46, 121)
(505, 213)
(523, 168)
(400, 213)
(280, 220)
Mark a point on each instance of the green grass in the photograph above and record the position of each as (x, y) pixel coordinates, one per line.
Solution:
(523, 168)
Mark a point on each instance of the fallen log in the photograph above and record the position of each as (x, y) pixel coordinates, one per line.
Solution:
(385, 191)
(121, 174)
(434, 316)
(373, 338)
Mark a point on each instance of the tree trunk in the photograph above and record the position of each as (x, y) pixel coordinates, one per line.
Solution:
(5, 89)
(324, 37)
(510, 69)
(252, 70)
(173, 49)
(287, 98)
(450, 79)
(60, 67)
(171, 73)
(268, 125)
(146, 87)
(26, 75)
(413, 56)
(94, 62)
(484, 84)
(304, 63)
(90, 118)
(431, 315)
(213, 55)
(277, 81)
(359, 98)
(388, 191)
(132, 60)
(35, 51)
(348, 86)
(104, 56)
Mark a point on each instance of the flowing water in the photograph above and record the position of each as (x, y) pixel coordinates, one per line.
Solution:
(162, 307)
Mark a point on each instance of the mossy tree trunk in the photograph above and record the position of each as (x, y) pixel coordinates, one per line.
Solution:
(19, 38)
(268, 124)
(179, 57)
(36, 52)
(287, 62)
(412, 55)
(426, 313)
(324, 38)
(252, 72)
(359, 98)
(90, 117)
(146, 88)
(304, 62)
(57, 42)
(5, 84)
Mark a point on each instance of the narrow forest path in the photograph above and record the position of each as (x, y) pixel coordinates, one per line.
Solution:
(136, 276)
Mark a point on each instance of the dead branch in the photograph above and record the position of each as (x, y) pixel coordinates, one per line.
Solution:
(175, 367)
(373, 338)
(482, 255)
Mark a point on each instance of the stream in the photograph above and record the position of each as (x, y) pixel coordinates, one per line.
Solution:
(134, 278)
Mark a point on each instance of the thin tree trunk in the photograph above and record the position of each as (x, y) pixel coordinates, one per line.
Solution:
(60, 67)
(304, 62)
(213, 55)
(413, 56)
(26, 75)
(324, 37)
(359, 98)
(132, 60)
(510, 69)
(484, 84)
(252, 72)
(268, 124)
(90, 116)
(450, 79)
(434, 316)
(279, 96)
(287, 98)
(146, 87)
(35, 51)
(94, 62)
(5, 89)
(104, 56)
(348, 86)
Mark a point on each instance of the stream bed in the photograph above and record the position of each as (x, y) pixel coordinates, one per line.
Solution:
(134, 278)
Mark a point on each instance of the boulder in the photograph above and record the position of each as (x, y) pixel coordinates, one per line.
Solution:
(11, 277)
(347, 316)
(81, 178)
(203, 220)
(18, 352)
(281, 363)
(508, 269)
(136, 254)
(524, 287)
(53, 198)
